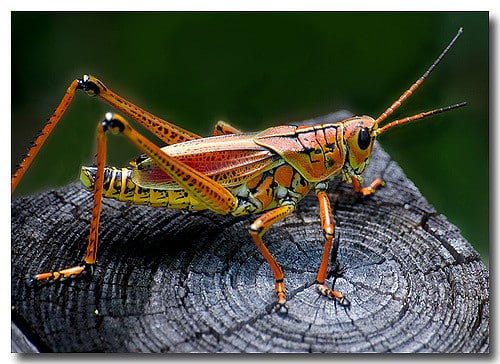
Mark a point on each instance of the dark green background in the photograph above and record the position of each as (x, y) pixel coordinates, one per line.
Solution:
(262, 69)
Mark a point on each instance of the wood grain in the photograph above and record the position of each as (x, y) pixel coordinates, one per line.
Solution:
(173, 281)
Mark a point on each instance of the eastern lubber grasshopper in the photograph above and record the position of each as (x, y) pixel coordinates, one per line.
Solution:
(231, 172)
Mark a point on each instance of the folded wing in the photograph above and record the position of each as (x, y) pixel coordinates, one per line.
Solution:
(230, 160)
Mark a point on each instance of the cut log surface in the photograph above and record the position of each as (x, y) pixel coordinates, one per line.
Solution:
(174, 281)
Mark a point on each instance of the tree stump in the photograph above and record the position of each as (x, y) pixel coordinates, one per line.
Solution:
(174, 281)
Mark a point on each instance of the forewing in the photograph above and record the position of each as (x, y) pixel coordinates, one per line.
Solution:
(230, 160)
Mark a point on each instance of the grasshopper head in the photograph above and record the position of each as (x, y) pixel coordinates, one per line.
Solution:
(358, 138)
(360, 131)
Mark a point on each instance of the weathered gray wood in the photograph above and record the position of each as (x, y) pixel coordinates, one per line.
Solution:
(172, 281)
(20, 343)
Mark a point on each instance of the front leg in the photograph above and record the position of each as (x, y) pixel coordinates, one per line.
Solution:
(369, 190)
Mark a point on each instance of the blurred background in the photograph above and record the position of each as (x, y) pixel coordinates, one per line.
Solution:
(261, 69)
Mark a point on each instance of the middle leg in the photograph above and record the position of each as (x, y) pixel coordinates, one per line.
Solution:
(257, 230)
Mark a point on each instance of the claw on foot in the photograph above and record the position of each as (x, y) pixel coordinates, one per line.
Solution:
(369, 190)
(281, 308)
(333, 295)
(344, 301)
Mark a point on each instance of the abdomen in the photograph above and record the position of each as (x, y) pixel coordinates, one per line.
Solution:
(119, 186)
(279, 185)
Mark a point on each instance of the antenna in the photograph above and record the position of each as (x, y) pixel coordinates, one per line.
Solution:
(413, 87)
(421, 115)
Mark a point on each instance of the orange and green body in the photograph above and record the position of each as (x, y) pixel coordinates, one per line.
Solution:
(231, 172)
(261, 170)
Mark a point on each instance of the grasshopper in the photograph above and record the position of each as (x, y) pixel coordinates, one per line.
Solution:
(230, 172)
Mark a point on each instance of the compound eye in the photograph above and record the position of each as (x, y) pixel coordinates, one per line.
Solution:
(364, 138)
